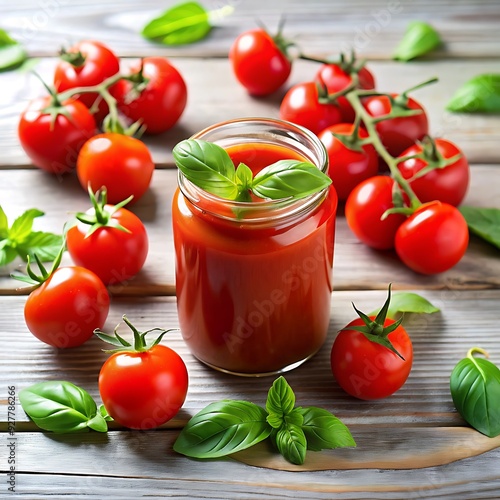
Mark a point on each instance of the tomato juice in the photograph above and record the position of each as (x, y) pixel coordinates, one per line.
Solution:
(254, 279)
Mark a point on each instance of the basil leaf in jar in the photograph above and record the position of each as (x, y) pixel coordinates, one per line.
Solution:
(475, 389)
(62, 407)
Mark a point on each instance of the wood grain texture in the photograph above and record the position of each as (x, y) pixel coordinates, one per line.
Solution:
(372, 28)
(356, 266)
(215, 96)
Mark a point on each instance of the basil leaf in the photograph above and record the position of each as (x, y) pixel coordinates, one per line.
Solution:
(4, 224)
(208, 166)
(280, 398)
(289, 178)
(223, 428)
(7, 253)
(475, 390)
(182, 24)
(481, 94)
(45, 245)
(12, 53)
(23, 225)
(419, 39)
(61, 407)
(323, 430)
(408, 302)
(291, 443)
(483, 222)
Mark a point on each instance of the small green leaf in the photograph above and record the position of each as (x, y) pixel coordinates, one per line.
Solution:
(419, 39)
(208, 166)
(475, 390)
(61, 407)
(4, 225)
(23, 225)
(182, 24)
(45, 245)
(480, 94)
(291, 443)
(408, 302)
(223, 428)
(483, 222)
(7, 253)
(12, 53)
(324, 431)
(289, 178)
(280, 398)
(244, 178)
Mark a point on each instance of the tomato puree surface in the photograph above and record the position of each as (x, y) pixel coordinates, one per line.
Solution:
(254, 298)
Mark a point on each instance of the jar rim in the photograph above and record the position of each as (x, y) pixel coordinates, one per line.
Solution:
(267, 209)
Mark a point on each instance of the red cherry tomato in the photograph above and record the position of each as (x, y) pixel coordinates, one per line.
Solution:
(93, 63)
(162, 102)
(121, 163)
(52, 143)
(397, 134)
(347, 168)
(367, 370)
(143, 390)
(364, 208)
(301, 106)
(448, 184)
(433, 239)
(65, 309)
(336, 79)
(112, 254)
(258, 63)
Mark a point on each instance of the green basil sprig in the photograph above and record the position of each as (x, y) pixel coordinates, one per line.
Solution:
(62, 407)
(20, 240)
(209, 166)
(12, 53)
(480, 94)
(230, 426)
(184, 23)
(483, 222)
(419, 39)
(475, 390)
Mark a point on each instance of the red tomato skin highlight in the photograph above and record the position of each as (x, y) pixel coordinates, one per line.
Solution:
(449, 184)
(258, 64)
(55, 147)
(113, 255)
(433, 239)
(64, 311)
(367, 370)
(121, 163)
(143, 390)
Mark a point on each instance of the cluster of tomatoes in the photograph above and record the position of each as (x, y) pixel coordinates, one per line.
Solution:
(85, 124)
(378, 152)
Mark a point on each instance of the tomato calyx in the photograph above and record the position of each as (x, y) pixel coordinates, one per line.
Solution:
(75, 58)
(102, 214)
(353, 141)
(39, 279)
(140, 343)
(350, 65)
(375, 330)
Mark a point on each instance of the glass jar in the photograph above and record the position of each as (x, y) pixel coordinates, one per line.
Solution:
(254, 279)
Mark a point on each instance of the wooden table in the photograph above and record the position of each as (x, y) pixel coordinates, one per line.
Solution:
(411, 445)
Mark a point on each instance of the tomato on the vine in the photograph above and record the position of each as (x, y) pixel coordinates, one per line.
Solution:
(109, 240)
(336, 79)
(118, 162)
(52, 133)
(398, 133)
(372, 356)
(144, 385)
(67, 305)
(301, 105)
(86, 64)
(259, 63)
(347, 166)
(156, 96)
(433, 239)
(364, 209)
(448, 183)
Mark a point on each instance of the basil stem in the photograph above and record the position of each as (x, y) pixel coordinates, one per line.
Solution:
(62, 407)
(475, 390)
